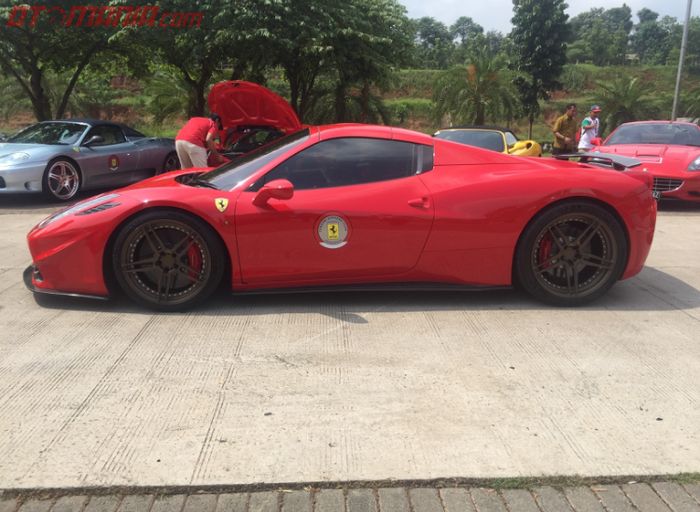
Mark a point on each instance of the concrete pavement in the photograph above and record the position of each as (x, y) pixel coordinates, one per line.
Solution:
(346, 387)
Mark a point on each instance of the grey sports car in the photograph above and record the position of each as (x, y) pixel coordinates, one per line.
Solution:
(60, 158)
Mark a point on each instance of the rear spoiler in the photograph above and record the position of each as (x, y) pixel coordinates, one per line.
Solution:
(607, 160)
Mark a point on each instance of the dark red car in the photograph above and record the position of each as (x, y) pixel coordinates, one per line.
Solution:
(348, 206)
(668, 150)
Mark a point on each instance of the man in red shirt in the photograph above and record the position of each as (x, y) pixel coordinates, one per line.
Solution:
(193, 140)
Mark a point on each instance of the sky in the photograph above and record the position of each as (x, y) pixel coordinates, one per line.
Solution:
(496, 14)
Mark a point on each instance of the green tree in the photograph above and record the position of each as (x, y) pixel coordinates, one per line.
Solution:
(626, 99)
(601, 36)
(374, 42)
(35, 42)
(539, 35)
(652, 39)
(434, 43)
(479, 92)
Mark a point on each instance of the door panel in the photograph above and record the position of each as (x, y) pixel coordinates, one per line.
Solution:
(386, 225)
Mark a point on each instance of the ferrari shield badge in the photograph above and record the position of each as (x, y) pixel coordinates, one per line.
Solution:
(221, 204)
(333, 232)
(113, 162)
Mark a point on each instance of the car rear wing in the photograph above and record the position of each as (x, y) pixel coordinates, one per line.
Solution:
(606, 160)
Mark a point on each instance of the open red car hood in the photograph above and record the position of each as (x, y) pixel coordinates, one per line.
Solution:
(241, 103)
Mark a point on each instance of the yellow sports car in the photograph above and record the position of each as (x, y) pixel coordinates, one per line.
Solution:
(491, 137)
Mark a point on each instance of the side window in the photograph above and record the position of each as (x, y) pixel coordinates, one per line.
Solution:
(352, 161)
(110, 133)
(510, 138)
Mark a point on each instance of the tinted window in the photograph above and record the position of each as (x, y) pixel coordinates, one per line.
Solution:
(480, 138)
(110, 133)
(680, 134)
(239, 169)
(351, 161)
(131, 133)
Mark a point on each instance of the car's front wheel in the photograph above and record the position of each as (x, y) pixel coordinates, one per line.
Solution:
(62, 179)
(167, 260)
(571, 254)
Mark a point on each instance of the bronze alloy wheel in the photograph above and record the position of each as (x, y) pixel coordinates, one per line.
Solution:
(167, 261)
(572, 254)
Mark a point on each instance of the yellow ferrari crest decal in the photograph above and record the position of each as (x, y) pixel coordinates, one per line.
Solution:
(221, 204)
(333, 231)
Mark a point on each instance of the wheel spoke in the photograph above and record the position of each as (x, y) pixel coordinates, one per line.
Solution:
(191, 273)
(592, 260)
(588, 233)
(170, 277)
(178, 246)
(153, 239)
(571, 279)
(143, 265)
(557, 237)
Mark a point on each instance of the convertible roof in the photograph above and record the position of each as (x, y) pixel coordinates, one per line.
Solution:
(128, 130)
(91, 122)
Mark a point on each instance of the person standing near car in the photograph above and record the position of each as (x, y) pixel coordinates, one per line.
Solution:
(590, 130)
(565, 131)
(195, 138)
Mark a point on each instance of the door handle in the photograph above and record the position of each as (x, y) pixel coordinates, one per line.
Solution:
(420, 202)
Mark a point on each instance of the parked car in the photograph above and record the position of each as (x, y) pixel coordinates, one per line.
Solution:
(491, 137)
(252, 115)
(669, 151)
(348, 206)
(61, 158)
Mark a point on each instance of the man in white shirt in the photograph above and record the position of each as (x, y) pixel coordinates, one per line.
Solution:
(590, 129)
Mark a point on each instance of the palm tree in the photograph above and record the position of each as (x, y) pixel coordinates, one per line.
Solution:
(480, 91)
(626, 99)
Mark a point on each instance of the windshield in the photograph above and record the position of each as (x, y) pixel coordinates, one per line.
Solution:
(666, 133)
(50, 133)
(231, 174)
(483, 139)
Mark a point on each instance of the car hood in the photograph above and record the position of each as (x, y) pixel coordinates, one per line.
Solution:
(34, 151)
(241, 103)
(7, 148)
(669, 156)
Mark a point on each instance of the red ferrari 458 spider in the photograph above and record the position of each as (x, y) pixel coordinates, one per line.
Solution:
(669, 151)
(348, 207)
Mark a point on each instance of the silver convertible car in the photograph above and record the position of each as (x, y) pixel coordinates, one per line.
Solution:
(60, 158)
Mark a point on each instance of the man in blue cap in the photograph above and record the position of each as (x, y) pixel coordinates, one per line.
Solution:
(590, 129)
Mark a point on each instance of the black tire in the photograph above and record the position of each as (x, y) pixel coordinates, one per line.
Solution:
(571, 254)
(62, 179)
(171, 163)
(167, 260)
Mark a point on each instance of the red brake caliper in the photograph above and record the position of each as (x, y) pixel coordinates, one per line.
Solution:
(545, 252)
(194, 260)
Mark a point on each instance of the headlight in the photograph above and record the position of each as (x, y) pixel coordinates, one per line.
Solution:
(14, 157)
(78, 207)
(694, 165)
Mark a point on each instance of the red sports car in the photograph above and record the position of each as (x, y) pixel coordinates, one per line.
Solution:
(353, 206)
(669, 151)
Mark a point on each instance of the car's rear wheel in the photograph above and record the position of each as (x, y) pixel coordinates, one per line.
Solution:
(571, 254)
(167, 260)
(62, 179)
(171, 162)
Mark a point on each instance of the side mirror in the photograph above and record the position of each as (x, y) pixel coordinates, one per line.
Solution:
(95, 139)
(276, 189)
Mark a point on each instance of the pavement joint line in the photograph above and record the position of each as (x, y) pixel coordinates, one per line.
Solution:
(557, 482)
